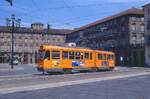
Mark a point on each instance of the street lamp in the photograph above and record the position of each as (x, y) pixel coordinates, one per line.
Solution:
(13, 23)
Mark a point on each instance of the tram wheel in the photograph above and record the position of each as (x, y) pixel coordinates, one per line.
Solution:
(67, 71)
(94, 69)
(111, 68)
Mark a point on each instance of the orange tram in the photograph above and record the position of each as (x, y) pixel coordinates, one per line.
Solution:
(63, 59)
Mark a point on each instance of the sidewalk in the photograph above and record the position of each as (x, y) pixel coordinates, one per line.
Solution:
(7, 67)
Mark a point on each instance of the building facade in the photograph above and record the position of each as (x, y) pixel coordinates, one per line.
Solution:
(147, 33)
(27, 42)
(122, 33)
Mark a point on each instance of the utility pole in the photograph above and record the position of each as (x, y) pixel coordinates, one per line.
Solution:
(12, 42)
(12, 22)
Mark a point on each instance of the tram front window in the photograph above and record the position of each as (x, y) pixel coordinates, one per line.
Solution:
(44, 55)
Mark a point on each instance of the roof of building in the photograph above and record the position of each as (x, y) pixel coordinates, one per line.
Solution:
(34, 31)
(126, 12)
(146, 5)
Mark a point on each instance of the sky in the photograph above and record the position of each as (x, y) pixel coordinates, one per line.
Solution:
(65, 14)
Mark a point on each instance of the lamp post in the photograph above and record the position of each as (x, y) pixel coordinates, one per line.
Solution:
(13, 23)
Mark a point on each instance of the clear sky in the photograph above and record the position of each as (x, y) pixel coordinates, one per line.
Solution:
(64, 13)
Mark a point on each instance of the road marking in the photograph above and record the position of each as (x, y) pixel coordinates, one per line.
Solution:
(66, 83)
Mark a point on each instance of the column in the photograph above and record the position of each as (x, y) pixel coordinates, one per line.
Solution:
(33, 58)
(29, 58)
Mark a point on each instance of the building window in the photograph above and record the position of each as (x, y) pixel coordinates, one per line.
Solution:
(58, 40)
(123, 19)
(115, 21)
(142, 27)
(133, 27)
(142, 38)
(142, 19)
(133, 19)
(8, 37)
(148, 11)
(53, 39)
(20, 37)
(148, 25)
(134, 37)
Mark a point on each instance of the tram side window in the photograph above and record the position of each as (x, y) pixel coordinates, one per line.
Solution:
(77, 55)
(82, 55)
(104, 57)
(91, 56)
(65, 55)
(47, 55)
(86, 55)
(110, 57)
(100, 57)
(113, 57)
(71, 55)
(55, 54)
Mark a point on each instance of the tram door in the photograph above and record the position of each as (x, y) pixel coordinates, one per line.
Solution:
(56, 59)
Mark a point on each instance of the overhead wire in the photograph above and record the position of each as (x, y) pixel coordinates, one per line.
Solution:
(66, 5)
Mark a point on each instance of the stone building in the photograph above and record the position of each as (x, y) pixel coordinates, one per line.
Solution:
(147, 33)
(122, 33)
(28, 40)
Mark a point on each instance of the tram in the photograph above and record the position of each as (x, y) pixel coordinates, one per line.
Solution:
(65, 59)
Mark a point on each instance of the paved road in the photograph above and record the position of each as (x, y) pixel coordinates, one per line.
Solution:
(122, 83)
(5, 69)
(124, 88)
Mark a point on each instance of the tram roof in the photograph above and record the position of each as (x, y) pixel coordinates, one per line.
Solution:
(72, 48)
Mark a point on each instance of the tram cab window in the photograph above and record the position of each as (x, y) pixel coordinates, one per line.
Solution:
(77, 55)
(86, 56)
(65, 55)
(71, 55)
(55, 54)
(47, 55)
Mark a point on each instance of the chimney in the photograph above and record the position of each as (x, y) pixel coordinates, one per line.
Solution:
(37, 26)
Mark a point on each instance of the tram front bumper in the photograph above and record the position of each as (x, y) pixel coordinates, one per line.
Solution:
(40, 69)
